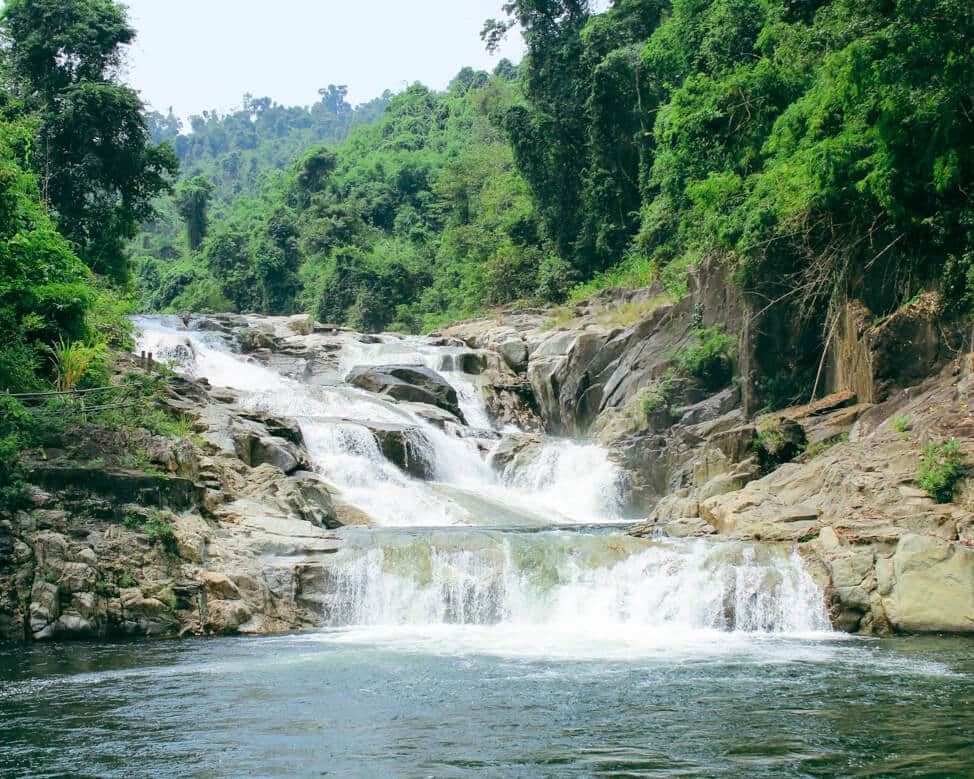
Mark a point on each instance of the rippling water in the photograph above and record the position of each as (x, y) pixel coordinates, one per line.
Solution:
(374, 703)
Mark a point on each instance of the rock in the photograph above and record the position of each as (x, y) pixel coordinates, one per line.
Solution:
(516, 450)
(930, 586)
(121, 486)
(191, 533)
(515, 353)
(410, 383)
(78, 577)
(217, 586)
(254, 340)
(307, 496)
(257, 450)
(406, 447)
(225, 616)
(44, 608)
(302, 324)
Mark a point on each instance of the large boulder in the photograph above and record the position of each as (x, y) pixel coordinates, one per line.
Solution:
(928, 585)
(411, 383)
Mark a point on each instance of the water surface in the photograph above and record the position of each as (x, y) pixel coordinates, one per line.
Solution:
(355, 702)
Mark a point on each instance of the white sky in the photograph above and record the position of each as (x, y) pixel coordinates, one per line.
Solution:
(203, 54)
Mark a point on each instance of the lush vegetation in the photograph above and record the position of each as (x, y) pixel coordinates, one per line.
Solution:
(820, 149)
(78, 174)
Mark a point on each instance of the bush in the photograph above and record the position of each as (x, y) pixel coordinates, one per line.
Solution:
(941, 468)
(17, 430)
(710, 361)
(778, 442)
(656, 397)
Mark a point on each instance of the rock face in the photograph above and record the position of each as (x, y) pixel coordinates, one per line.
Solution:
(215, 540)
(889, 557)
(409, 383)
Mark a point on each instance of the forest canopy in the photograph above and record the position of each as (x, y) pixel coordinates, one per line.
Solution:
(819, 149)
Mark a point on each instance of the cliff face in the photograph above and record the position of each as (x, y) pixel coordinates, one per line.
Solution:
(214, 533)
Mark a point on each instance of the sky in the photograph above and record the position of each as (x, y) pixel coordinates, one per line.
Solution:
(195, 55)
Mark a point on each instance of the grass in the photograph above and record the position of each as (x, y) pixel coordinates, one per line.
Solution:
(901, 424)
(623, 315)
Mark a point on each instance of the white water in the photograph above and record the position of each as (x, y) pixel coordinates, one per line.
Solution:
(569, 482)
(573, 594)
(549, 592)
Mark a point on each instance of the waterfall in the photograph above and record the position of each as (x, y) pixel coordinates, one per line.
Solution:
(526, 582)
(570, 482)
(579, 584)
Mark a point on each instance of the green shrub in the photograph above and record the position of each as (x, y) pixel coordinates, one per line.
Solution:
(778, 442)
(941, 468)
(160, 528)
(18, 430)
(900, 423)
(656, 397)
(710, 360)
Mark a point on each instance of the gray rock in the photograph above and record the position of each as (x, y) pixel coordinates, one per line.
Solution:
(515, 354)
(408, 382)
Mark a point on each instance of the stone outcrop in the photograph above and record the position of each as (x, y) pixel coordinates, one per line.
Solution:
(889, 557)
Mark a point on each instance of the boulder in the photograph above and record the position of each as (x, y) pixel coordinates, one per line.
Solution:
(256, 450)
(408, 382)
(928, 585)
(301, 324)
(515, 354)
(515, 450)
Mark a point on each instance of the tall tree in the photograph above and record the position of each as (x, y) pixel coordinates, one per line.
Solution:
(97, 165)
(192, 202)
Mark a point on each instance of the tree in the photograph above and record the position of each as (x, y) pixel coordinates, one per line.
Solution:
(97, 165)
(192, 202)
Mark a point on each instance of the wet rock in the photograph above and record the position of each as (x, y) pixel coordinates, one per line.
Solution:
(515, 451)
(406, 447)
(408, 382)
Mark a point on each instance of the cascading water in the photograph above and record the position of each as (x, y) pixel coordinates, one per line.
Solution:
(573, 482)
(578, 586)
(524, 586)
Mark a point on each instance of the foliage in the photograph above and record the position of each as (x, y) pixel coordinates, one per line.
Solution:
(193, 202)
(17, 428)
(776, 442)
(942, 467)
(818, 149)
(98, 169)
(656, 397)
(72, 360)
(710, 359)
(901, 423)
